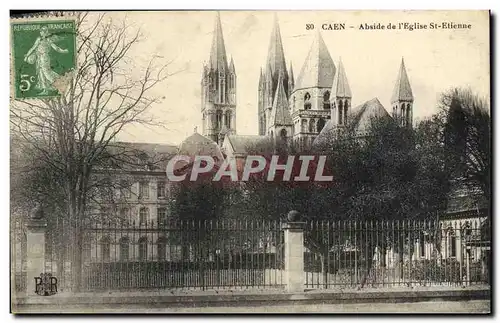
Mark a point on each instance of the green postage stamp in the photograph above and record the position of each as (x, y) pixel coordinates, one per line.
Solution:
(43, 52)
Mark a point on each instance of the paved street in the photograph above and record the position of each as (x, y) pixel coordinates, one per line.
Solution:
(479, 306)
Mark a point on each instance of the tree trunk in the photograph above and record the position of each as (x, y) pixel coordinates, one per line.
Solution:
(369, 264)
(324, 267)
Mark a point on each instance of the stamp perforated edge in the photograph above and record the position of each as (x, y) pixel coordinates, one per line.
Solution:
(36, 17)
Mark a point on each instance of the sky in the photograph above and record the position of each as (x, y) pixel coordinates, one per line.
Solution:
(436, 60)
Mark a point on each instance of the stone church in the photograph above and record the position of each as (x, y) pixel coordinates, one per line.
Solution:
(303, 111)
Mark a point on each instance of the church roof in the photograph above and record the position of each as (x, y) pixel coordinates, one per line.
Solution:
(363, 114)
(318, 69)
(275, 53)
(402, 89)
(242, 144)
(218, 59)
(340, 87)
(196, 144)
(280, 114)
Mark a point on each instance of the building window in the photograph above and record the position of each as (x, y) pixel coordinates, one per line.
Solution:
(341, 111)
(307, 101)
(161, 246)
(143, 248)
(311, 125)
(228, 119)
(283, 134)
(346, 109)
(218, 119)
(160, 189)
(326, 100)
(105, 249)
(408, 114)
(303, 127)
(144, 190)
(320, 124)
(143, 215)
(453, 245)
(124, 215)
(124, 248)
(125, 189)
(161, 215)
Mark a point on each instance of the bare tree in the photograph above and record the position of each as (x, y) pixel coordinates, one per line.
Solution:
(74, 134)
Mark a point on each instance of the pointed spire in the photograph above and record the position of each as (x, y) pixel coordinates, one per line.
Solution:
(231, 66)
(218, 59)
(318, 69)
(402, 89)
(340, 87)
(261, 78)
(279, 113)
(275, 53)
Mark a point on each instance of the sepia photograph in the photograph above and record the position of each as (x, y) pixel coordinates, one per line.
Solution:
(250, 162)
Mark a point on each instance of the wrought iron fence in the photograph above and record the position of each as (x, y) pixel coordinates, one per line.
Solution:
(126, 255)
(130, 255)
(348, 254)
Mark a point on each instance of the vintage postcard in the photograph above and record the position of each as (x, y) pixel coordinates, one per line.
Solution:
(250, 161)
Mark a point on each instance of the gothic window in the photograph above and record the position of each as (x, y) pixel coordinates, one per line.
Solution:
(283, 134)
(341, 111)
(143, 215)
(311, 125)
(346, 109)
(294, 101)
(228, 119)
(124, 248)
(272, 135)
(307, 101)
(303, 125)
(326, 100)
(408, 114)
(320, 124)
(218, 119)
(143, 248)
(403, 114)
(105, 248)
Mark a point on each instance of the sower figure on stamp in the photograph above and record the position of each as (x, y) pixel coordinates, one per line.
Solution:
(39, 54)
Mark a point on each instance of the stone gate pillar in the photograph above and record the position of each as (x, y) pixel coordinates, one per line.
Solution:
(294, 253)
(35, 249)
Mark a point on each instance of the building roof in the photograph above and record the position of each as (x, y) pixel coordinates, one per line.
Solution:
(402, 89)
(363, 114)
(242, 144)
(340, 87)
(360, 117)
(280, 114)
(275, 53)
(199, 145)
(218, 58)
(318, 69)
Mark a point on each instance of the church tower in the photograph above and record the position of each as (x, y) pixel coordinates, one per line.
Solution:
(275, 72)
(218, 90)
(310, 99)
(280, 122)
(340, 98)
(402, 99)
